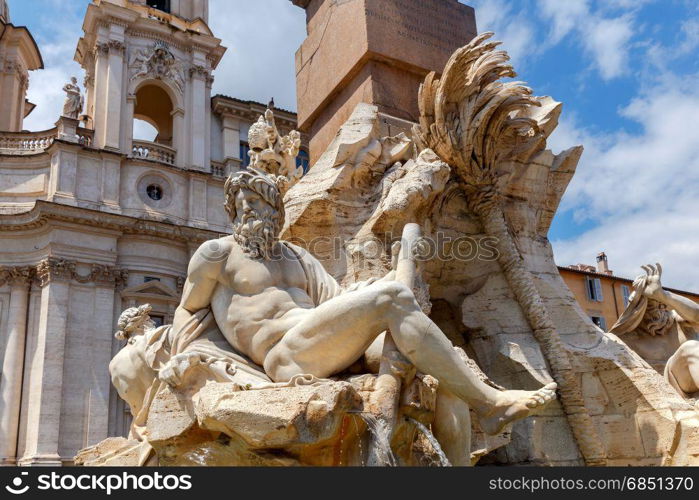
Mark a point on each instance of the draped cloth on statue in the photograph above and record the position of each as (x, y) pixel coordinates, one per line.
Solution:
(633, 315)
(320, 285)
(199, 336)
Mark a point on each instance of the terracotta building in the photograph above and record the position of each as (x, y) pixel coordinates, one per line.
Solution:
(601, 294)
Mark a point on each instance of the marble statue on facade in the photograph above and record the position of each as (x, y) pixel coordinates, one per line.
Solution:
(662, 327)
(74, 102)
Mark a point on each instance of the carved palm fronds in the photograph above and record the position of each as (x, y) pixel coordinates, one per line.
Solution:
(475, 122)
(470, 118)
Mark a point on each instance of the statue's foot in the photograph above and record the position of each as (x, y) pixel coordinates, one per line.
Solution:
(515, 405)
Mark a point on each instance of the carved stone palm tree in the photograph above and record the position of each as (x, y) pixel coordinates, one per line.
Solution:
(475, 123)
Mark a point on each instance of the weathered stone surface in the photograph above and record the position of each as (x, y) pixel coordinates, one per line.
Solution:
(171, 415)
(277, 418)
(112, 452)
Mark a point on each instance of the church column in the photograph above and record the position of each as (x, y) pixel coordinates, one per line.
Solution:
(23, 77)
(106, 295)
(12, 85)
(199, 107)
(89, 85)
(64, 175)
(100, 93)
(13, 363)
(207, 111)
(179, 138)
(114, 95)
(130, 107)
(175, 6)
(45, 392)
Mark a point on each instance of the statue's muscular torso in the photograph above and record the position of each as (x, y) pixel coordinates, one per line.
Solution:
(255, 302)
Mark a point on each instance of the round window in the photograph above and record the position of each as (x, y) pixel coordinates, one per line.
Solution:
(154, 192)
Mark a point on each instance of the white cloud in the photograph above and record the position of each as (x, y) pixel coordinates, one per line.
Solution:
(262, 39)
(57, 42)
(641, 187)
(667, 235)
(605, 39)
(564, 16)
(514, 29)
(690, 30)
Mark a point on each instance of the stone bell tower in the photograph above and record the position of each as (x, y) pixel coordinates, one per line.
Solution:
(150, 60)
(19, 54)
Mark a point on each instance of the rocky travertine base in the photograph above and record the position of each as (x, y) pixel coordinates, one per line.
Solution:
(113, 452)
(320, 425)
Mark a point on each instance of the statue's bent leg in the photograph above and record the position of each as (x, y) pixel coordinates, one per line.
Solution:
(452, 428)
(337, 333)
(331, 337)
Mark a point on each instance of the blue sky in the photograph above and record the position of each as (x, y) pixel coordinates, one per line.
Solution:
(626, 71)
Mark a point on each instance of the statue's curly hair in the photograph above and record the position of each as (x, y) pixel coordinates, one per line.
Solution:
(130, 319)
(658, 319)
(269, 187)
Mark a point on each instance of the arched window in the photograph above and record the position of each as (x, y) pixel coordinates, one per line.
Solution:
(163, 5)
(153, 115)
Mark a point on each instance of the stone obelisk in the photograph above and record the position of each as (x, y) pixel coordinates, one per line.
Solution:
(373, 51)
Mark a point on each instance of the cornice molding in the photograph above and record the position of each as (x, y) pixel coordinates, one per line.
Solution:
(45, 212)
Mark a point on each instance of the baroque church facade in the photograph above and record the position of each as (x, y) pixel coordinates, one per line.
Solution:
(93, 220)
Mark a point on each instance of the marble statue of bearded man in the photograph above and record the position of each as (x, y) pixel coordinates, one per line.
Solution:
(275, 304)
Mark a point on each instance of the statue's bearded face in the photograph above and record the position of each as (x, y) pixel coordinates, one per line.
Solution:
(256, 225)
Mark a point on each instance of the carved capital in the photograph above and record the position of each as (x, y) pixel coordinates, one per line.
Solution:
(16, 276)
(116, 47)
(54, 269)
(101, 48)
(15, 68)
(24, 80)
(199, 71)
(105, 275)
(12, 67)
